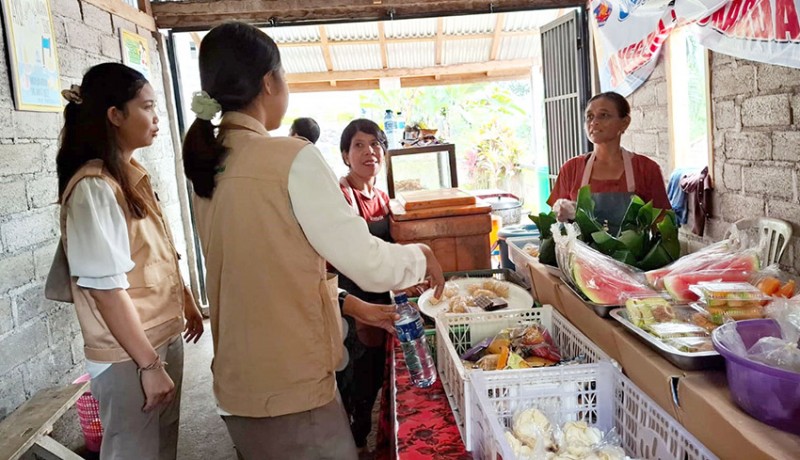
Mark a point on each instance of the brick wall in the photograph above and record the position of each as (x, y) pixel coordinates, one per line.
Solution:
(756, 132)
(40, 342)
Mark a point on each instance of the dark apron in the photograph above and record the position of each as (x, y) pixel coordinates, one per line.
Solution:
(610, 207)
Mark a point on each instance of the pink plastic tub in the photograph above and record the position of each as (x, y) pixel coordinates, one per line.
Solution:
(769, 394)
(89, 416)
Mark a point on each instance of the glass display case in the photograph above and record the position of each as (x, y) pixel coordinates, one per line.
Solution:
(421, 168)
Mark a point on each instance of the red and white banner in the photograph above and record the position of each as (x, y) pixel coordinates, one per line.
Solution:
(629, 35)
(758, 30)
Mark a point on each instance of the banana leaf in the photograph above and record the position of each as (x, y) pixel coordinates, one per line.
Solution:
(647, 215)
(543, 222)
(656, 258)
(585, 200)
(634, 242)
(547, 252)
(607, 244)
(630, 220)
(625, 257)
(668, 228)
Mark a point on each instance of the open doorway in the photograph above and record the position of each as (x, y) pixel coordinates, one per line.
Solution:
(479, 81)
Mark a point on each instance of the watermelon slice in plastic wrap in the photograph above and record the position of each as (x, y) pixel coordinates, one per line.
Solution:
(602, 279)
(678, 284)
(719, 256)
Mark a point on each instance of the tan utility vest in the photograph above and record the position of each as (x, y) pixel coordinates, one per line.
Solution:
(156, 288)
(274, 315)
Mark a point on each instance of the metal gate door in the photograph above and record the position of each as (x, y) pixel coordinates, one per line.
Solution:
(565, 68)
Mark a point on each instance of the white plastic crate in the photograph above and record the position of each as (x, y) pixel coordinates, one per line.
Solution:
(596, 393)
(520, 258)
(456, 333)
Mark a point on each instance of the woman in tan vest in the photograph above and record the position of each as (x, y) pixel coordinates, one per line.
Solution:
(125, 279)
(270, 214)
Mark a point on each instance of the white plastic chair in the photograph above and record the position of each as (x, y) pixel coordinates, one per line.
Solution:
(774, 234)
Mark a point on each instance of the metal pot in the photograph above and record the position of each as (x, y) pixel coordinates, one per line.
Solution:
(507, 206)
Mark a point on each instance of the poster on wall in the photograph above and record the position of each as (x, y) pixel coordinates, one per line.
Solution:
(135, 52)
(763, 30)
(629, 36)
(31, 45)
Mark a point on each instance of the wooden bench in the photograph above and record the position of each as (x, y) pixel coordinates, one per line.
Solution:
(29, 427)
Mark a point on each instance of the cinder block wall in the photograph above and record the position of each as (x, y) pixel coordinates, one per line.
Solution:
(756, 135)
(40, 342)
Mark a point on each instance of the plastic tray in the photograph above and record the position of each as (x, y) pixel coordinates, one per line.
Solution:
(604, 311)
(681, 359)
(596, 393)
(519, 257)
(456, 333)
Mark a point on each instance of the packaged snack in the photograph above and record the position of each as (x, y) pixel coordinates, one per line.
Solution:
(730, 295)
(718, 315)
(673, 330)
(643, 311)
(691, 344)
(475, 353)
(774, 282)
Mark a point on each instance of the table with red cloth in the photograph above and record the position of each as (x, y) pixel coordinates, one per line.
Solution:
(415, 423)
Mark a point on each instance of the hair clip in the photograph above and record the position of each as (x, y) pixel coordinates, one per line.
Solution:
(73, 94)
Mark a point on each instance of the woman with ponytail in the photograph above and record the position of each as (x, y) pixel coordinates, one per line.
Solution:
(125, 280)
(270, 214)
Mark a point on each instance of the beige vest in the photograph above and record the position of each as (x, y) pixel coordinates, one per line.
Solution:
(274, 316)
(156, 288)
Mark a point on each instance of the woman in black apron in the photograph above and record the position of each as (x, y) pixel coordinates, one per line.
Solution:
(363, 146)
(613, 173)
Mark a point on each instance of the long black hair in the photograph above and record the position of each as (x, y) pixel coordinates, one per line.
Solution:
(88, 133)
(234, 57)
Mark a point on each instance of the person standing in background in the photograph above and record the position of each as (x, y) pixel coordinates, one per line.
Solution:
(306, 128)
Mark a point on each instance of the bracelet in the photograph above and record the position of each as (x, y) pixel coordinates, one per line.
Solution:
(155, 365)
(342, 295)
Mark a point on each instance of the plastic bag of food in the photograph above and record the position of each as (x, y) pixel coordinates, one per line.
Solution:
(773, 281)
(678, 285)
(723, 255)
(533, 429)
(598, 277)
(645, 310)
(535, 341)
(781, 352)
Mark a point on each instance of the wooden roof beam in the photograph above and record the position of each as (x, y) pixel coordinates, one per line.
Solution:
(497, 36)
(382, 42)
(410, 82)
(326, 50)
(439, 43)
(498, 67)
(204, 14)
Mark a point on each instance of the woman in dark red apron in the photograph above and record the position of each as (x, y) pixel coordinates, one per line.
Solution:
(614, 173)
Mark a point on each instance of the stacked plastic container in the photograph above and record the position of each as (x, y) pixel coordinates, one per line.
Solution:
(456, 333)
(597, 394)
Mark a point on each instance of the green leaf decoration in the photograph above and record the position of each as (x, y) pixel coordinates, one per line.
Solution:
(607, 244)
(547, 252)
(625, 257)
(544, 221)
(585, 201)
(634, 242)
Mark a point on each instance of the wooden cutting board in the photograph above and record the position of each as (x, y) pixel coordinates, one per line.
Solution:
(399, 213)
(424, 199)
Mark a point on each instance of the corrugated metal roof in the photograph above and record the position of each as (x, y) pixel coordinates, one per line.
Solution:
(527, 20)
(466, 25)
(519, 47)
(410, 28)
(411, 54)
(295, 34)
(301, 59)
(356, 57)
(349, 32)
(465, 51)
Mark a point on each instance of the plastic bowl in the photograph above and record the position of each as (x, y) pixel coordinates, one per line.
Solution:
(769, 394)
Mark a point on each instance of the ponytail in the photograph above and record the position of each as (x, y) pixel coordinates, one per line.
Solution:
(202, 154)
(230, 79)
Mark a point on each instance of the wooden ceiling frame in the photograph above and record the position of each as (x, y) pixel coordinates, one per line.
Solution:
(187, 15)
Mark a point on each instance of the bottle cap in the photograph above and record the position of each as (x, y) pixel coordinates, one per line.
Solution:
(400, 298)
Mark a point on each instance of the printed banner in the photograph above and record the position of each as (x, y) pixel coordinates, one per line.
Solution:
(629, 35)
(758, 30)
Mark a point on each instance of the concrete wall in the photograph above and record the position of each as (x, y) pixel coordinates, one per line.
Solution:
(40, 342)
(756, 135)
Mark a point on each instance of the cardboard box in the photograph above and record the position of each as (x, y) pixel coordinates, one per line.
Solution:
(709, 413)
(544, 285)
(598, 329)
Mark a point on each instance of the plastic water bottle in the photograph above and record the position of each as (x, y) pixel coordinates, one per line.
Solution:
(390, 128)
(401, 129)
(412, 339)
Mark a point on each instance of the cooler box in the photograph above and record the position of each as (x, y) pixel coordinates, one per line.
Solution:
(452, 222)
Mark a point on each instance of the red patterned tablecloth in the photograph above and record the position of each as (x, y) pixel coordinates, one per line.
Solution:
(418, 421)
